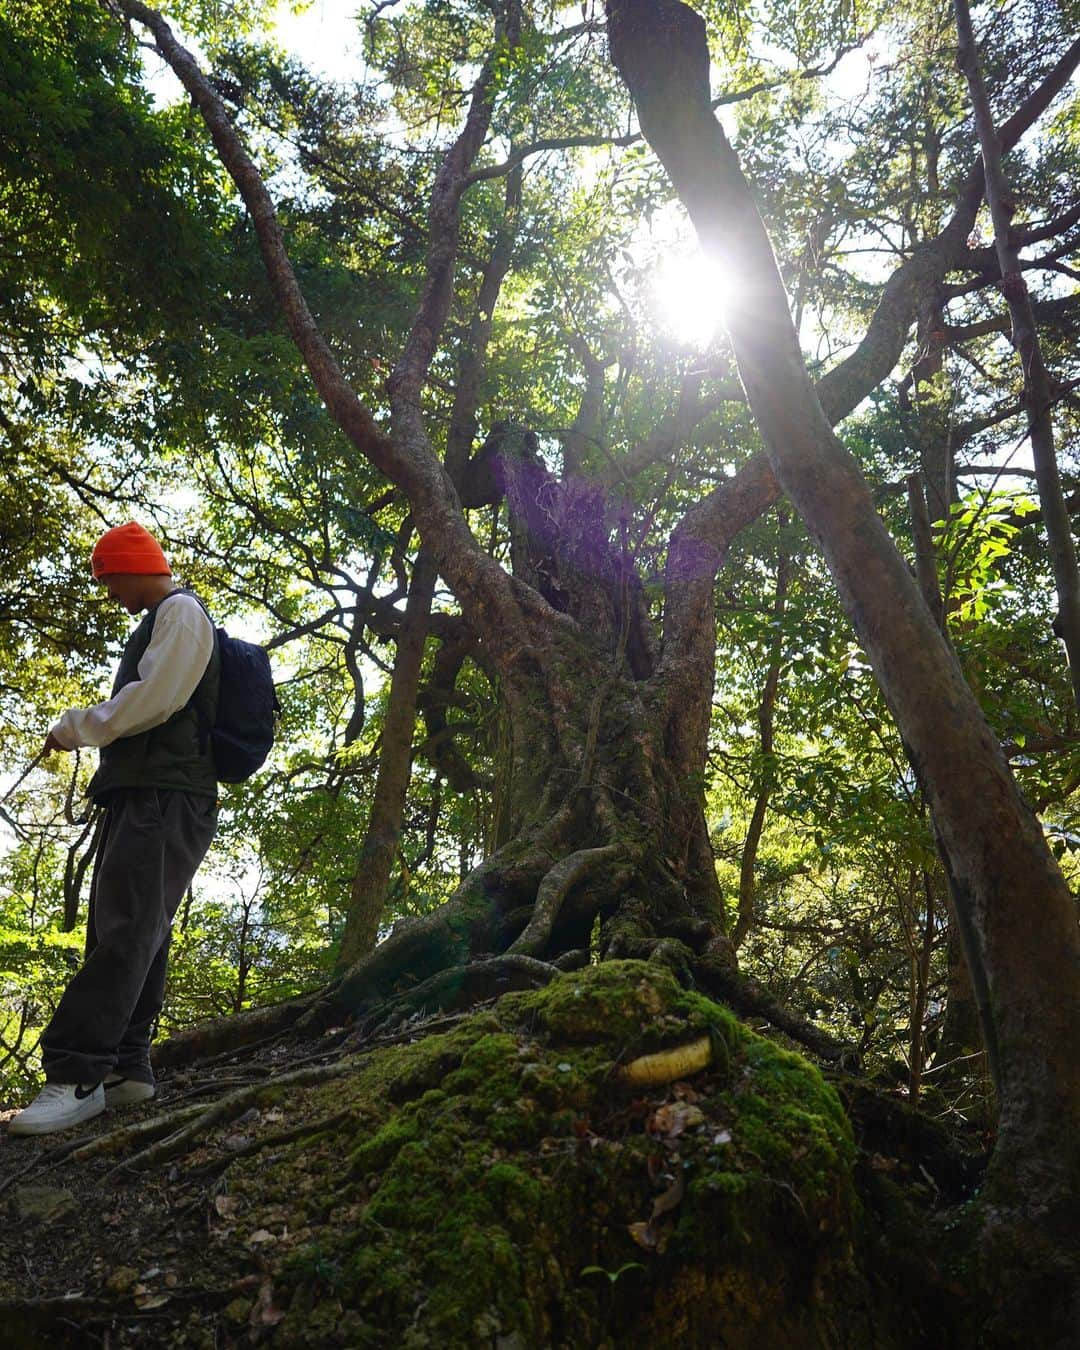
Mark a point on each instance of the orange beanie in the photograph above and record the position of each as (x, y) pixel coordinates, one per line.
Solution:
(128, 548)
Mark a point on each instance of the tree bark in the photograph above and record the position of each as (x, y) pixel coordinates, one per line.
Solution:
(1020, 918)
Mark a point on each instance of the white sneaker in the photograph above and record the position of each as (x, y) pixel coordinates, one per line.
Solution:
(58, 1106)
(121, 1091)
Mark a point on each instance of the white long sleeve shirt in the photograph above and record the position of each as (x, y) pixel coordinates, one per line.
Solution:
(170, 669)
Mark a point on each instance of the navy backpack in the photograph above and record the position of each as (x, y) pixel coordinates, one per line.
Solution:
(243, 729)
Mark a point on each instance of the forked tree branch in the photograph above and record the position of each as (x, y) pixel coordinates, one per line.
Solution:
(408, 461)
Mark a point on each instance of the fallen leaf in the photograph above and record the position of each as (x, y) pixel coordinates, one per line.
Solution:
(665, 1203)
(264, 1313)
(260, 1237)
(722, 1137)
(673, 1120)
(643, 1235)
(226, 1205)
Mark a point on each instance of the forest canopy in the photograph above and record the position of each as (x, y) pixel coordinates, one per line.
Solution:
(645, 438)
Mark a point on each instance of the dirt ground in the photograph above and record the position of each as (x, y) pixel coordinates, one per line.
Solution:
(105, 1244)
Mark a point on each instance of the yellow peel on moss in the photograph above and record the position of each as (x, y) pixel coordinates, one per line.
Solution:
(665, 1066)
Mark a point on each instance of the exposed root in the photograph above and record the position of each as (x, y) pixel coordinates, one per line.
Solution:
(271, 1141)
(228, 1108)
(475, 919)
(554, 888)
(141, 1132)
(55, 1322)
(462, 987)
(44, 1162)
(573, 960)
(628, 934)
(223, 1036)
(746, 997)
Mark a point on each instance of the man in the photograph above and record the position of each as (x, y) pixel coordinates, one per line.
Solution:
(157, 784)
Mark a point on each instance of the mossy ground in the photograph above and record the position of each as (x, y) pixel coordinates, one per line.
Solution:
(501, 1185)
(498, 1177)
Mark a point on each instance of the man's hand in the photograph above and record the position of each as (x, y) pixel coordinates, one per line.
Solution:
(51, 744)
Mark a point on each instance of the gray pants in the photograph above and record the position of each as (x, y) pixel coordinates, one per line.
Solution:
(152, 843)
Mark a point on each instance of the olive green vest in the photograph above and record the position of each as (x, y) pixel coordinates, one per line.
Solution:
(176, 754)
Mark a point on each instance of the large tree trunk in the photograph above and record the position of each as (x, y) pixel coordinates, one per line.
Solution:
(1018, 917)
(608, 854)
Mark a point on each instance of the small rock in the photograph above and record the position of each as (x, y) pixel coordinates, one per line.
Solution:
(43, 1202)
(122, 1281)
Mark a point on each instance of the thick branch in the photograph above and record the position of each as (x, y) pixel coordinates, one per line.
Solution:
(444, 226)
(1038, 395)
(925, 552)
(698, 550)
(461, 433)
(846, 385)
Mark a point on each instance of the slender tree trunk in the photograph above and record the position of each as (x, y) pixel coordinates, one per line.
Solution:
(766, 714)
(383, 833)
(1020, 922)
(925, 552)
(922, 949)
(1038, 396)
(933, 412)
(960, 1034)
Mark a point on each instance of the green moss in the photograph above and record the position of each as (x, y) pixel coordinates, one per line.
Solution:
(486, 1168)
(635, 1006)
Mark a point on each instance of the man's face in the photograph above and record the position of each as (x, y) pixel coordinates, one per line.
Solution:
(127, 589)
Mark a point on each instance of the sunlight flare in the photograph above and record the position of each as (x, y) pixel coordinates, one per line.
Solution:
(690, 293)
